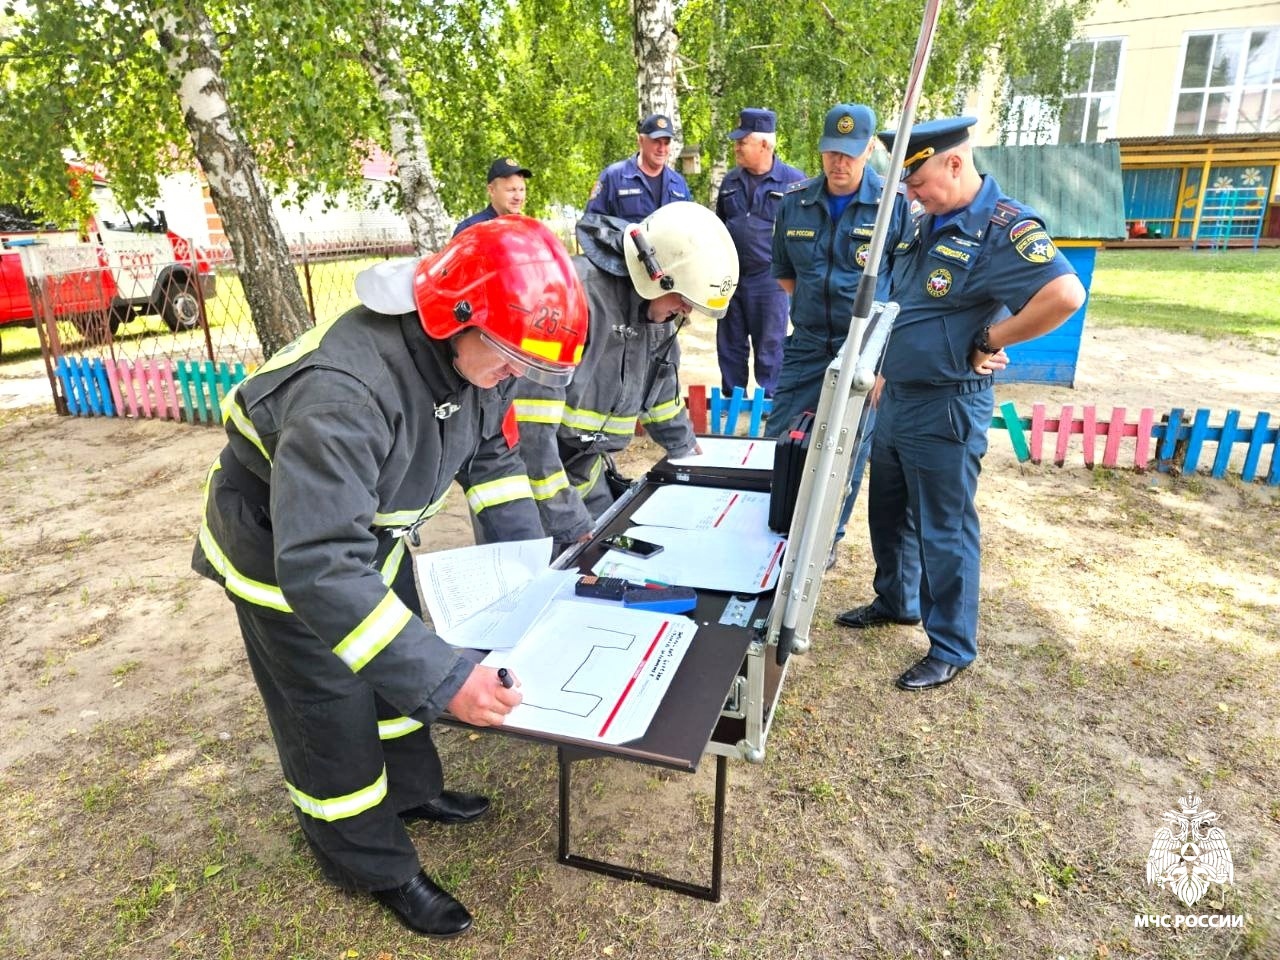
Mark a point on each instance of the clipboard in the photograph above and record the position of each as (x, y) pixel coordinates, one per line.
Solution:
(726, 477)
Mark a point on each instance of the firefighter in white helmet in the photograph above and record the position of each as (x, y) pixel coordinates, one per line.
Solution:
(340, 447)
(643, 281)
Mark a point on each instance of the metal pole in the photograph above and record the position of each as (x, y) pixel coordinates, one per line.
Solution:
(863, 303)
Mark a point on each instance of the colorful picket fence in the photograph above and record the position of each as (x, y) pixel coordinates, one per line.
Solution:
(188, 390)
(713, 412)
(193, 391)
(1174, 443)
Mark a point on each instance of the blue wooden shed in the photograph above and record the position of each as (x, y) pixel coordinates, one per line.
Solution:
(1078, 189)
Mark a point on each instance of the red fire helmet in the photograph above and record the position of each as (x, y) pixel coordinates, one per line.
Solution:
(512, 279)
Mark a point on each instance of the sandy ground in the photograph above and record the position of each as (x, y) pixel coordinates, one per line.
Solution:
(86, 579)
(101, 620)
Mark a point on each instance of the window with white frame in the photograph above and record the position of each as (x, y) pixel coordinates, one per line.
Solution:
(1230, 82)
(1088, 112)
(1088, 115)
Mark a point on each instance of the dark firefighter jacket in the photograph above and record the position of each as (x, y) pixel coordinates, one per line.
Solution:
(338, 444)
(627, 375)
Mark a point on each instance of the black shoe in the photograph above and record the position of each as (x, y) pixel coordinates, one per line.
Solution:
(871, 616)
(424, 908)
(930, 672)
(831, 555)
(450, 807)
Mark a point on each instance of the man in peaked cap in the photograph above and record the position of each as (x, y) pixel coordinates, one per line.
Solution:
(747, 203)
(635, 187)
(821, 240)
(506, 192)
(982, 276)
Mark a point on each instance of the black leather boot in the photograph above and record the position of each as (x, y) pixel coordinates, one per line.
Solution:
(424, 908)
(450, 807)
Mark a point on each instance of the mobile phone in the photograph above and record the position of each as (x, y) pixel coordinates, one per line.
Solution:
(630, 545)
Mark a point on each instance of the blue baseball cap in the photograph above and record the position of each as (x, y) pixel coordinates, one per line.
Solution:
(656, 127)
(507, 167)
(754, 120)
(929, 138)
(847, 129)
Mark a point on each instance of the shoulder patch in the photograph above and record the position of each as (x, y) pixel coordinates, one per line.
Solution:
(1004, 213)
(595, 189)
(1032, 241)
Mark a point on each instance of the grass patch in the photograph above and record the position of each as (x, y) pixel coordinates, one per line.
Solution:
(1234, 293)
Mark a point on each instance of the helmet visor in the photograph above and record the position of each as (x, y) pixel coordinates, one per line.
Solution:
(537, 369)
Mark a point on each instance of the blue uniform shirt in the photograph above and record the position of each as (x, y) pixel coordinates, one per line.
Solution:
(984, 263)
(488, 213)
(826, 259)
(623, 191)
(749, 214)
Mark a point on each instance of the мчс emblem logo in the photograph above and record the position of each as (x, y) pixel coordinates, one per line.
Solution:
(939, 283)
(861, 255)
(844, 124)
(1189, 852)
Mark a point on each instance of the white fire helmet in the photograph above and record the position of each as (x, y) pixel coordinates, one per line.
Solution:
(683, 248)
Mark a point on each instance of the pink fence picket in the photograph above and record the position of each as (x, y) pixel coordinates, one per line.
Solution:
(1179, 446)
(144, 389)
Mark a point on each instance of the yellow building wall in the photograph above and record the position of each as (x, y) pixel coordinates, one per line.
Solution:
(1151, 58)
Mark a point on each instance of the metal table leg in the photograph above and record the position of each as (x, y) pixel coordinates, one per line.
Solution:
(711, 892)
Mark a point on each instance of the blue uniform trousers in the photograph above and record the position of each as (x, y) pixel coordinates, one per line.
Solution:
(925, 463)
(755, 323)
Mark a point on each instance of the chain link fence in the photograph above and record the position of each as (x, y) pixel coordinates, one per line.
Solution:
(111, 347)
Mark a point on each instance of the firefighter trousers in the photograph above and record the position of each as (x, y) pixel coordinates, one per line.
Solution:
(350, 764)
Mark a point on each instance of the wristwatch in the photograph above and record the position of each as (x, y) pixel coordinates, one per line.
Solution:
(982, 342)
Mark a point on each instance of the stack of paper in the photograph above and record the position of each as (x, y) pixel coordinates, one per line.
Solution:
(487, 597)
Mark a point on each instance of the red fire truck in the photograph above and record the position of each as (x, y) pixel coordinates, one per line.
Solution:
(120, 265)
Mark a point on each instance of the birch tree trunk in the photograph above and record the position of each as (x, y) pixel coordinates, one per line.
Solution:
(655, 42)
(194, 62)
(429, 223)
(718, 148)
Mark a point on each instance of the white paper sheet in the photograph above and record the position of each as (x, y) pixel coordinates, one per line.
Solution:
(704, 508)
(594, 672)
(486, 597)
(734, 561)
(730, 453)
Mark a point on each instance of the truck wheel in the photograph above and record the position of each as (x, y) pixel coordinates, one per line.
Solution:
(181, 306)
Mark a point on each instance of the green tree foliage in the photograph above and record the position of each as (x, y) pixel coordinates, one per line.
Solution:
(549, 82)
(799, 57)
(80, 77)
(559, 96)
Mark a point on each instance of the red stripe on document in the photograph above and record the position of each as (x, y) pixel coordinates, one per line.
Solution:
(777, 552)
(747, 456)
(725, 512)
(626, 691)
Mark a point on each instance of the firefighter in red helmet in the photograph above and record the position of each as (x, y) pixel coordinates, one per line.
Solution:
(340, 447)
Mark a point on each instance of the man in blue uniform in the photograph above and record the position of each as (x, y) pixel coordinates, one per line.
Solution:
(506, 192)
(820, 243)
(635, 187)
(747, 202)
(982, 276)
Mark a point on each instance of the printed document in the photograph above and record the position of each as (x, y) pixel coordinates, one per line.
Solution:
(735, 453)
(594, 672)
(486, 597)
(705, 508)
(734, 561)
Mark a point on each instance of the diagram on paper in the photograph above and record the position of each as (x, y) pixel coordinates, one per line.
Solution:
(595, 672)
